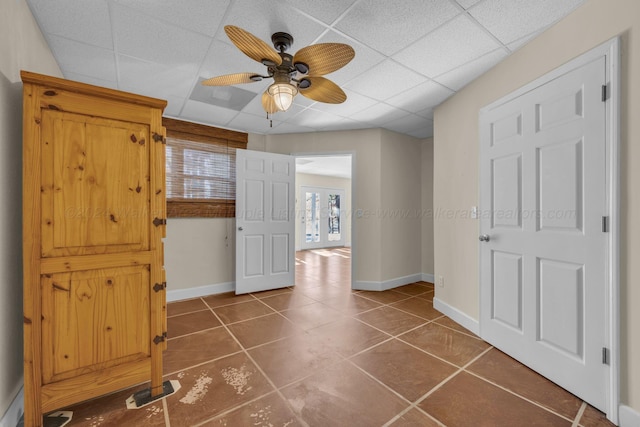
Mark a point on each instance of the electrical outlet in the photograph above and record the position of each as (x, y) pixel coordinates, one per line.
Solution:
(441, 281)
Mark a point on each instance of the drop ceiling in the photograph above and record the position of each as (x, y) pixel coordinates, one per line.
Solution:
(411, 55)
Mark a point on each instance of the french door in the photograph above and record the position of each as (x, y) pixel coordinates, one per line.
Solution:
(322, 217)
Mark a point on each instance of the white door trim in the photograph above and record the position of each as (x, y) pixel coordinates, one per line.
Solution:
(611, 51)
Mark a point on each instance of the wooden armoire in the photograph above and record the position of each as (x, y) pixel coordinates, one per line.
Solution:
(93, 223)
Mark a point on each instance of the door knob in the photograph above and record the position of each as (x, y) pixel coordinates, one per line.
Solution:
(240, 228)
(484, 238)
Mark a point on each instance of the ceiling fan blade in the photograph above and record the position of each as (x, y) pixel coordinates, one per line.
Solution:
(232, 79)
(323, 90)
(252, 46)
(324, 58)
(269, 104)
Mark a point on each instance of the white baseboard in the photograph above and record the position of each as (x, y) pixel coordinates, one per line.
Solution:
(628, 417)
(200, 291)
(387, 284)
(457, 316)
(15, 411)
(428, 277)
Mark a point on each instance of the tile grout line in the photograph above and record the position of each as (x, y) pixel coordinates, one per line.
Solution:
(165, 406)
(517, 395)
(576, 421)
(230, 410)
(197, 365)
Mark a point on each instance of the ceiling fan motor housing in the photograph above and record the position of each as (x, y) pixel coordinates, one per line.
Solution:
(282, 41)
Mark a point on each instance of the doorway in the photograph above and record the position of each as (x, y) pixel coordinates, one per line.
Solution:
(323, 219)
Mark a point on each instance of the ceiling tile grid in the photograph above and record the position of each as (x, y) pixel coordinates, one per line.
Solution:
(410, 55)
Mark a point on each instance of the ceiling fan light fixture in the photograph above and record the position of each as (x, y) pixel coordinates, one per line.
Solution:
(282, 94)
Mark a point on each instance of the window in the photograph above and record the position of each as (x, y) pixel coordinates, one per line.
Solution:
(201, 169)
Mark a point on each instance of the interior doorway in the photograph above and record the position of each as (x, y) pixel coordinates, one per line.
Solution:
(324, 192)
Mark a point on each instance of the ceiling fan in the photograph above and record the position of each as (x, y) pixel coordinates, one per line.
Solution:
(301, 72)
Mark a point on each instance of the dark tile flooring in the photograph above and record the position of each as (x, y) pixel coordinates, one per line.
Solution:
(320, 354)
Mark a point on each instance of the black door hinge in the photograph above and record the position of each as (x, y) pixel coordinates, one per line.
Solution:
(605, 356)
(159, 221)
(159, 138)
(159, 338)
(605, 93)
(605, 224)
(159, 286)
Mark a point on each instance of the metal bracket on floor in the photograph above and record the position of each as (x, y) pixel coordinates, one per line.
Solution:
(144, 398)
(55, 419)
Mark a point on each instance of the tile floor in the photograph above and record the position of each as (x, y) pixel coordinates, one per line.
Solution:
(320, 354)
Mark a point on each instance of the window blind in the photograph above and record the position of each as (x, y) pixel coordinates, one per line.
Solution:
(201, 169)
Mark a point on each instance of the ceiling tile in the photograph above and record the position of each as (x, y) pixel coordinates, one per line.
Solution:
(82, 20)
(263, 18)
(389, 27)
(379, 114)
(346, 124)
(513, 46)
(467, 3)
(316, 119)
(425, 95)
(289, 128)
(206, 113)
(453, 44)
(425, 132)
(385, 80)
(408, 123)
(152, 40)
(510, 20)
(427, 113)
(458, 78)
(326, 11)
(84, 59)
(338, 166)
(202, 16)
(365, 58)
(251, 123)
(72, 75)
(151, 77)
(354, 103)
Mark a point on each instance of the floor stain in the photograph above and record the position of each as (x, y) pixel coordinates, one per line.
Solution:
(238, 378)
(153, 410)
(198, 391)
(261, 418)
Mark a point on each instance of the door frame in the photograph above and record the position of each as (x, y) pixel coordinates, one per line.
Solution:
(611, 51)
(354, 241)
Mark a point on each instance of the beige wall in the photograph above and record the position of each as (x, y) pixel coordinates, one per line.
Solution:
(321, 181)
(199, 252)
(427, 206)
(22, 47)
(456, 162)
(401, 203)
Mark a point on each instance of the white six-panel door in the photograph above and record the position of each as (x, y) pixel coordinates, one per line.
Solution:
(265, 227)
(543, 252)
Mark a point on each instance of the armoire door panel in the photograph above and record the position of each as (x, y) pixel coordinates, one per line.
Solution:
(95, 189)
(94, 319)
